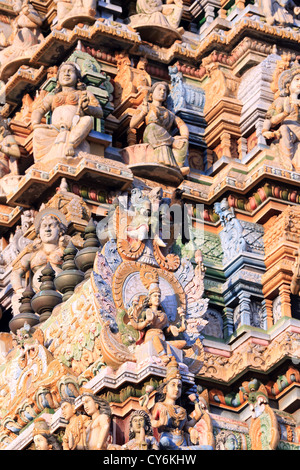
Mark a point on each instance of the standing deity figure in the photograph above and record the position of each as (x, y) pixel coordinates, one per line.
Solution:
(73, 111)
(50, 226)
(279, 11)
(149, 318)
(26, 35)
(176, 428)
(9, 150)
(283, 117)
(166, 13)
(160, 123)
(75, 433)
(97, 431)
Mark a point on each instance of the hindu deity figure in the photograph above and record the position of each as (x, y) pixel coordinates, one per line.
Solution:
(73, 111)
(75, 433)
(279, 11)
(160, 122)
(97, 431)
(149, 318)
(282, 119)
(50, 226)
(42, 437)
(176, 428)
(67, 8)
(140, 434)
(9, 150)
(166, 13)
(26, 36)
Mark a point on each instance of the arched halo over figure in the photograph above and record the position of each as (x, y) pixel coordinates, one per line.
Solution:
(73, 111)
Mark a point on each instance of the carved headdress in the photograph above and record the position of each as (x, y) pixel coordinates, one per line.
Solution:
(287, 76)
(150, 278)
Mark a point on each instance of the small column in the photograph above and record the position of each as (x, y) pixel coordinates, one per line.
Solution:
(209, 14)
(285, 296)
(228, 326)
(226, 144)
(268, 308)
(242, 147)
(245, 308)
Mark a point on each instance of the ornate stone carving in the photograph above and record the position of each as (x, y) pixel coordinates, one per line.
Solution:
(263, 429)
(278, 12)
(158, 21)
(159, 150)
(73, 109)
(282, 119)
(50, 225)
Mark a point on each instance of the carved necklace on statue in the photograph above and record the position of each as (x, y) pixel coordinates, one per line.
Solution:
(66, 98)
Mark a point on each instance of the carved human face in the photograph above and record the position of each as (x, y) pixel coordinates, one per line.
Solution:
(67, 76)
(49, 229)
(295, 85)
(160, 92)
(41, 442)
(137, 424)
(174, 389)
(67, 410)
(155, 298)
(89, 405)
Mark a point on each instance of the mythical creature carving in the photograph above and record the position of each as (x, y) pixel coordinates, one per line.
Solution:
(263, 429)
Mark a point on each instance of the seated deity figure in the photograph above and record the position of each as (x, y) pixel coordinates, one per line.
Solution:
(150, 319)
(67, 8)
(26, 35)
(157, 12)
(282, 119)
(75, 433)
(160, 122)
(73, 111)
(279, 11)
(97, 431)
(176, 428)
(50, 226)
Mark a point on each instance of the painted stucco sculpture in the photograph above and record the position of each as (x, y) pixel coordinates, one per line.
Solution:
(73, 109)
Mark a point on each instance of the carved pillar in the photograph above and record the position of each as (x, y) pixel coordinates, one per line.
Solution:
(131, 136)
(242, 147)
(245, 308)
(285, 296)
(209, 13)
(228, 326)
(209, 158)
(226, 144)
(259, 124)
(268, 307)
(222, 13)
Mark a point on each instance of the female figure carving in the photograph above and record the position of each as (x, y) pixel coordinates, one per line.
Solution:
(168, 150)
(153, 323)
(73, 111)
(176, 428)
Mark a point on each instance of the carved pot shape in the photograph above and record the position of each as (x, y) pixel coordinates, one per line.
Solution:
(85, 258)
(18, 321)
(44, 302)
(66, 281)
